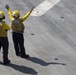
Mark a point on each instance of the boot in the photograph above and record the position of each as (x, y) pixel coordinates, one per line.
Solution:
(5, 62)
(24, 56)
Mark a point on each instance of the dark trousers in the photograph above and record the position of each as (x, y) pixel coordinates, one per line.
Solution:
(18, 41)
(4, 44)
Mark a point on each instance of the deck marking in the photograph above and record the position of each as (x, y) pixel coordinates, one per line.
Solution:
(44, 7)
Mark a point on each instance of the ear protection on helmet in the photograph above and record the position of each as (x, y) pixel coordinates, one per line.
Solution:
(16, 14)
(2, 16)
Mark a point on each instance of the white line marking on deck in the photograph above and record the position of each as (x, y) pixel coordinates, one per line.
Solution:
(44, 7)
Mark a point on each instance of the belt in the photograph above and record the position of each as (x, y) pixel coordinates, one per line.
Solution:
(17, 31)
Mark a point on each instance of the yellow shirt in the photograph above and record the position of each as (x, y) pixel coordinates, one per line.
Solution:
(3, 29)
(20, 25)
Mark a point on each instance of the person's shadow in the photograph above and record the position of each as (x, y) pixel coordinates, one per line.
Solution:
(28, 70)
(43, 63)
(22, 69)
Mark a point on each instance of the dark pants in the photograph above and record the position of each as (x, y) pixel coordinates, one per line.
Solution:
(4, 44)
(18, 41)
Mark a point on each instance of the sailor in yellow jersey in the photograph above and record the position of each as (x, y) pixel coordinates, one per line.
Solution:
(17, 31)
(3, 38)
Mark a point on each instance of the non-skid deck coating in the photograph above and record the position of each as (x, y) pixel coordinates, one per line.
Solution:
(50, 40)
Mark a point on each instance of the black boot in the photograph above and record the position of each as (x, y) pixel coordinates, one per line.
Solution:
(24, 56)
(18, 55)
(5, 62)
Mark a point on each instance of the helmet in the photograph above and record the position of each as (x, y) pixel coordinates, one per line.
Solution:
(16, 14)
(2, 16)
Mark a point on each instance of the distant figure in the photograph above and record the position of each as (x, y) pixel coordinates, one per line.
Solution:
(3, 38)
(17, 31)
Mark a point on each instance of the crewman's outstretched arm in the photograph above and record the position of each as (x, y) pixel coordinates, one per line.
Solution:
(27, 15)
(9, 12)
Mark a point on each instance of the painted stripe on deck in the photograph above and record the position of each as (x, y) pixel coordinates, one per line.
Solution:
(44, 7)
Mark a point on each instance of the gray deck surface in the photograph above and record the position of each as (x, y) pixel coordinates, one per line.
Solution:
(50, 40)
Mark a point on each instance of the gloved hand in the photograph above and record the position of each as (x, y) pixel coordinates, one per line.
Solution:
(32, 9)
(7, 7)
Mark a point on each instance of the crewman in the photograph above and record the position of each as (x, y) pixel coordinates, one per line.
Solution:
(18, 30)
(3, 38)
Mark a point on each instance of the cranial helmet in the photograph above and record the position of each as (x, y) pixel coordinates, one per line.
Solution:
(2, 16)
(16, 14)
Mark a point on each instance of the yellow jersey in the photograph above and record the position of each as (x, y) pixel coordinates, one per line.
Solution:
(17, 25)
(3, 29)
